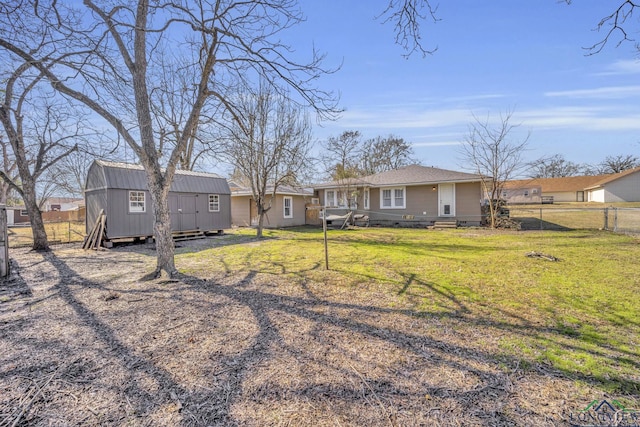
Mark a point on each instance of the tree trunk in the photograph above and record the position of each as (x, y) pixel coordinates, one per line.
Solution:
(165, 247)
(40, 241)
(260, 221)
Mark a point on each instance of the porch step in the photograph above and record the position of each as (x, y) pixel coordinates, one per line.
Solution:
(187, 235)
(445, 224)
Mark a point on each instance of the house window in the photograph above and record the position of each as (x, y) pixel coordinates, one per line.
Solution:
(214, 203)
(23, 212)
(330, 198)
(288, 206)
(392, 198)
(504, 194)
(365, 197)
(534, 191)
(136, 201)
(526, 193)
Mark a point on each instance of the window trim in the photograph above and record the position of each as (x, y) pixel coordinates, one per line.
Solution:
(284, 206)
(366, 199)
(211, 203)
(143, 201)
(333, 202)
(393, 197)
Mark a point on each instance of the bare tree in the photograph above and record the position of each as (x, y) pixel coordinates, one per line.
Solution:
(341, 155)
(490, 152)
(616, 23)
(384, 154)
(9, 169)
(39, 132)
(619, 163)
(116, 60)
(554, 167)
(406, 16)
(268, 143)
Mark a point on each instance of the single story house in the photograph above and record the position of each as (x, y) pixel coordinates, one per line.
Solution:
(288, 207)
(17, 215)
(414, 195)
(618, 187)
(197, 201)
(53, 209)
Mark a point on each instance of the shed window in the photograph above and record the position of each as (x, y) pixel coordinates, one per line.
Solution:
(288, 206)
(392, 198)
(214, 203)
(136, 201)
(23, 212)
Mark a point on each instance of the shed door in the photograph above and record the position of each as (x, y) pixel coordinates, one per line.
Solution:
(175, 214)
(447, 196)
(188, 213)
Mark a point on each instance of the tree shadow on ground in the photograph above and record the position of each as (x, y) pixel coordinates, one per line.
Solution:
(326, 361)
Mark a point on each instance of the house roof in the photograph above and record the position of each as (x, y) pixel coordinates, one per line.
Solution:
(132, 177)
(613, 177)
(285, 190)
(569, 183)
(408, 175)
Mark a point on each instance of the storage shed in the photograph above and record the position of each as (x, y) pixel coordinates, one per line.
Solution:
(199, 202)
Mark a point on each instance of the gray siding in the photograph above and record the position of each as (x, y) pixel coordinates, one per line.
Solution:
(108, 186)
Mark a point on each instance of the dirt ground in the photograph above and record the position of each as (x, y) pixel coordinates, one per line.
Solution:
(84, 341)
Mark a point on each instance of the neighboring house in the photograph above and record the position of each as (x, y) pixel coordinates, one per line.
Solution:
(197, 201)
(410, 196)
(288, 208)
(619, 187)
(61, 204)
(17, 215)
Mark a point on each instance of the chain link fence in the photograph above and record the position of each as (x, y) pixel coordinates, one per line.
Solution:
(622, 220)
(57, 232)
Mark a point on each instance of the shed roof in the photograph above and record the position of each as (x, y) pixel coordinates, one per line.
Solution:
(129, 176)
(408, 175)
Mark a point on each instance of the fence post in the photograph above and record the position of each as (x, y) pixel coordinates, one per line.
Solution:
(615, 220)
(606, 218)
(4, 243)
(541, 227)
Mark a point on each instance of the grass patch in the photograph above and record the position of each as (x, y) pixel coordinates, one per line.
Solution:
(578, 316)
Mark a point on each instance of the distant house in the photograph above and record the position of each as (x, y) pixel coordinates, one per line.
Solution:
(410, 196)
(287, 208)
(197, 201)
(17, 215)
(619, 187)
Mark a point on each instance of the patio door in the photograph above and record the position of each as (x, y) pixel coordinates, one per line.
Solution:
(447, 197)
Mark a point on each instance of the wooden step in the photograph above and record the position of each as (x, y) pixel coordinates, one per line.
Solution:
(445, 224)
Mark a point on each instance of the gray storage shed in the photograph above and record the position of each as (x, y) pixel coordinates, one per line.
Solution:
(198, 201)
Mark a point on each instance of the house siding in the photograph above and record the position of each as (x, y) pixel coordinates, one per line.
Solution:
(468, 208)
(625, 189)
(240, 211)
(274, 217)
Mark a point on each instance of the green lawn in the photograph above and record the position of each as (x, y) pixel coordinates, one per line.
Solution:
(578, 317)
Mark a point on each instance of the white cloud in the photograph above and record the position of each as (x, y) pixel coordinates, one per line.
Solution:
(436, 144)
(611, 92)
(581, 118)
(621, 67)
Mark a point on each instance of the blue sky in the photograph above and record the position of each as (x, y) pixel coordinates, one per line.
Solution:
(526, 56)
